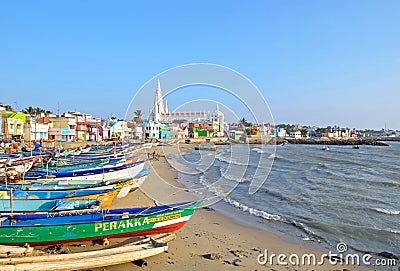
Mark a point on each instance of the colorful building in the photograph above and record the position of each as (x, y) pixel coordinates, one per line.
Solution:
(119, 130)
(62, 129)
(36, 129)
(13, 125)
(155, 130)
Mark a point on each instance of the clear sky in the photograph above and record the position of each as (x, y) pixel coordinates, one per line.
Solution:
(315, 62)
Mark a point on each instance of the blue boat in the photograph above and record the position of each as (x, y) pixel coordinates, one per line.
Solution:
(46, 205)
(31, 175)
(52, 194)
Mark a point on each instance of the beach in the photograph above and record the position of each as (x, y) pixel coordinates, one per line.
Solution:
(211, 241)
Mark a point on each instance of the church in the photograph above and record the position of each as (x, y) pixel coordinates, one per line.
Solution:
(160, 118)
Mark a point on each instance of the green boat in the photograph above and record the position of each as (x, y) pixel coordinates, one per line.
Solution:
(63, 227)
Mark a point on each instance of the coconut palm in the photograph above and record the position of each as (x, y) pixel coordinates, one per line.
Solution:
(34, 111)
(138, 116)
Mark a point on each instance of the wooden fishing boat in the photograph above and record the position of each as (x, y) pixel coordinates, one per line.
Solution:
(12, 251)
(69, 166)
(91, 259)
(206, 147)
(13, 160)
(46, 205)
(44, 229)
(118, 171)
(56, 194)
(85, 150)
(124, 186)
(35, 201)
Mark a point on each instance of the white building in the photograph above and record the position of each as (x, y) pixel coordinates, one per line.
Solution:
(137, 132)
(119, 130)
(281, 132)
(295, 134)
(158, 108)
(34, 130)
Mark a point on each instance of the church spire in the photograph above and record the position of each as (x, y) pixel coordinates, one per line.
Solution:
(158, 107)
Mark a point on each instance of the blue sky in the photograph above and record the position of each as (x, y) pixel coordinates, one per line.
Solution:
(315, 62)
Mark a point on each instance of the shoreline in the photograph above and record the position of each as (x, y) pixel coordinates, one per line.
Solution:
(210, 234)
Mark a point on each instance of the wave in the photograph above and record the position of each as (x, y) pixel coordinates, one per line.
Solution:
(387, 211)
(275, 217)
(304, 228)
(231, 161)
(233, 177)
(252, 211)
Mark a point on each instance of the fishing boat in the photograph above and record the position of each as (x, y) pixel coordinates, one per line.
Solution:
(326, 148)
(124, 186)
(46, 205)
(72, 165)
(45, 229)
(85, 260)
(356, 147)
(206, 147)
(39, 200)
(55, 194)
(117, 171)
(15, 167)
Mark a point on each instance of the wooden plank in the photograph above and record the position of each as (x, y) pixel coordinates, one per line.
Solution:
(87, 263)
(10, 251)
(96, 253)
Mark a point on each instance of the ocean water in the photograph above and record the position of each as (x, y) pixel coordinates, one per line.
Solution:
(341, 195)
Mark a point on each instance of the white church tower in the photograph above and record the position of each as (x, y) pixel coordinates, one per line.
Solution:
(218, 117)
(158, 108)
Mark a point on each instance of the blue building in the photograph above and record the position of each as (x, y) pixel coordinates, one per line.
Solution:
(155, 130)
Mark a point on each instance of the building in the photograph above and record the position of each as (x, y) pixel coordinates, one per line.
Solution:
(36, 129)
(295, 133)
(158, 108)
(179, 117)
(155, 130)
(237, 134)
(13, 125)
(137, 132)
(119, 130)
(159, 113)
(281, 132)
(62, 128)
(176, 132)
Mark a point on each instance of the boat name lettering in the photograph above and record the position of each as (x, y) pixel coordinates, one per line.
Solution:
(131, 223)
(161, 218)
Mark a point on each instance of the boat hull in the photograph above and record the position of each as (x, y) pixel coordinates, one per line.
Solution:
(170, 220)
(125, 173)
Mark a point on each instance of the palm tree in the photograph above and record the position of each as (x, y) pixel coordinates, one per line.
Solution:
(29, 110)
(8, 107)
(34, 111)
(138, 116)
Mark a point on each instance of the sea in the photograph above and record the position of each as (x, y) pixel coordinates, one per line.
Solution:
(304, 193)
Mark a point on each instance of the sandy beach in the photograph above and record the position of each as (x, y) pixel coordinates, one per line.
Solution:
(208, 233)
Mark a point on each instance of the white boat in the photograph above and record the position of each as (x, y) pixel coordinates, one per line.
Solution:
(129, 172)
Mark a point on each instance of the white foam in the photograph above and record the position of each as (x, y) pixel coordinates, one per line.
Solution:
(387, 211)
(251, 210)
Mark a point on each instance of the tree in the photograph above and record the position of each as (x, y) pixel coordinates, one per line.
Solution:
(8, 107)
(29, 110)
(34, 111)
(244, 122)
(138, 116)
